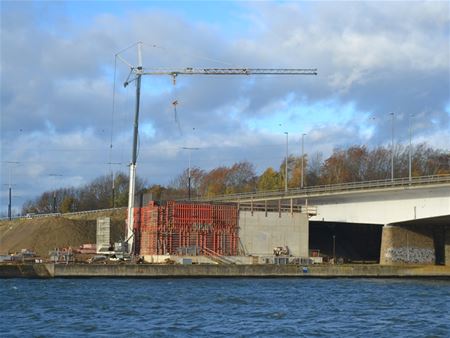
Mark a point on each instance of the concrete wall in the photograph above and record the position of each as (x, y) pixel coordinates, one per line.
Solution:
(260, 233)
(173, 271)
(152, 271)
(407, 245)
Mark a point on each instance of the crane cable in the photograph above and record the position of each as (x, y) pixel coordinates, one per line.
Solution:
(175, 103)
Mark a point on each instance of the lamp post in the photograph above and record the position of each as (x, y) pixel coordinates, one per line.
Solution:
(10, 189)
(334, 249)
(286, 164)
(54, 193)
(303, 155)
(410, 149)
(189, 169)
(392, 148)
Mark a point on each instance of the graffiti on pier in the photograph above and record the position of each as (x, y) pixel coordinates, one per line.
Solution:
(410, 255)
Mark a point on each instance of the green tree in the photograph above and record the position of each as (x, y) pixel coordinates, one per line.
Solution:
(269, 180)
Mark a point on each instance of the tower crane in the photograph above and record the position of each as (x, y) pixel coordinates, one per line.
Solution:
(138, 71)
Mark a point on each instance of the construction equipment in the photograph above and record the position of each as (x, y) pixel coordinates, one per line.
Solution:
(138, 71)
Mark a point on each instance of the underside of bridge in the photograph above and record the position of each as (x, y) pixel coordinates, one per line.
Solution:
(347, 242)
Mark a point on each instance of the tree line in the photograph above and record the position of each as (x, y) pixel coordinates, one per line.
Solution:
(356, 163)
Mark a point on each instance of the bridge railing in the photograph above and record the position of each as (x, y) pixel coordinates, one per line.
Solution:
(341, 187)
(55, 214)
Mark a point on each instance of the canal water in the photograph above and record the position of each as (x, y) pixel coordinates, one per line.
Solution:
(225, 308)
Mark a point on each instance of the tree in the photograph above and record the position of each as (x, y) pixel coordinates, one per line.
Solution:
(269, 180)
(181, 182)
(240, 177)
(95, 195)
(313, 170)
(214, 182)
(67, 204)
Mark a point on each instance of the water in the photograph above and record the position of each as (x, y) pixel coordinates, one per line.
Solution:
(224, 308)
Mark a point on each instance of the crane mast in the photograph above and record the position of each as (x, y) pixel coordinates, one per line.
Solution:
(138, 71)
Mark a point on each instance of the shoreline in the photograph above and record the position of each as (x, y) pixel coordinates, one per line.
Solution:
(75, 270)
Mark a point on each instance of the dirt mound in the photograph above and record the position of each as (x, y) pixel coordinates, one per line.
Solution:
(44, 234)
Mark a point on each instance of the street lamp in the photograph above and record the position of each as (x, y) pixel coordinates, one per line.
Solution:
(303, 155)
(10, 189)
(189, 170)
(54, 192)
(286, 164)
(334, 248)
(392, 148)
(410, 148)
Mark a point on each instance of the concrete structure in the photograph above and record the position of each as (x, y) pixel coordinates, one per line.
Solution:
(103, 233)
(424, 241)
(207, 270)
(382, 207)
(260, 232)
(372, 202)
(421, 204)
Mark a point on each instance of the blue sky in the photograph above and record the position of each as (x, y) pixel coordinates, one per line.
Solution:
(57, 67)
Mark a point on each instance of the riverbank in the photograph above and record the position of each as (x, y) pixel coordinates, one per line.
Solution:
(50, 270)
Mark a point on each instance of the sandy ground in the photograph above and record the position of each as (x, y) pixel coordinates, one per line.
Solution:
(44, 234)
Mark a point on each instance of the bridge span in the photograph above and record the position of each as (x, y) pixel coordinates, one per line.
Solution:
(372, 202)
(390, 221)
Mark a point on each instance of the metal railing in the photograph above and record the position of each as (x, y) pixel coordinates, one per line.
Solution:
(57, 214)
(333, 188)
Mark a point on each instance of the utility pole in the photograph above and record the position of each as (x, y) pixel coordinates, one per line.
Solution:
(189, 169)
(9, 203)
(138, 71)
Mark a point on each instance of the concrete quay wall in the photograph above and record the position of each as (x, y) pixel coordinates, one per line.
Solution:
(222, 271)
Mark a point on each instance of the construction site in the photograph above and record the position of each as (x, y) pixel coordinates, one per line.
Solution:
(279, 230)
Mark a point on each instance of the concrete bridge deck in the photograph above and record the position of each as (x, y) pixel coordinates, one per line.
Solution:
(398, 184)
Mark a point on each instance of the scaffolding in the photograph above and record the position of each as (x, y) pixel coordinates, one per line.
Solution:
(181, 228)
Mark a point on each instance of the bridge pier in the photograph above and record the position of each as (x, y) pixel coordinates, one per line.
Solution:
(425, 241)
(447, 245)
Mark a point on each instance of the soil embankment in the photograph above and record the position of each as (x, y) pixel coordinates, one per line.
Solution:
(44, 234)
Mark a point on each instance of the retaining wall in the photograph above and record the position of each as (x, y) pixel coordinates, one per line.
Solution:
(261, 232)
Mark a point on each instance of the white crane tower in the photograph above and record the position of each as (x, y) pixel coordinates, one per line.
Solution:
(138, 71)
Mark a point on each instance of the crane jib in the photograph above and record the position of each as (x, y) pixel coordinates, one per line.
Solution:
(231, 71)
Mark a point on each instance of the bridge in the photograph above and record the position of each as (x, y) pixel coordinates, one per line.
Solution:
(370, 202)
(402, 220)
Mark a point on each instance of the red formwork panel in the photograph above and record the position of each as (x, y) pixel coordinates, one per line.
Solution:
(176, 227)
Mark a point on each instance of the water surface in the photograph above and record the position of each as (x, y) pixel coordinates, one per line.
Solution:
(225, 308)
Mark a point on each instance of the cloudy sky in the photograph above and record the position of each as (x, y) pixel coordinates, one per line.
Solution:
(65, 116)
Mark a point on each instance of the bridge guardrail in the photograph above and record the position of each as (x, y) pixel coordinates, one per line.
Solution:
(398, 182)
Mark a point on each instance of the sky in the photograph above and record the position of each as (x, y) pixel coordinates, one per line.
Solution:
(66, 117)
